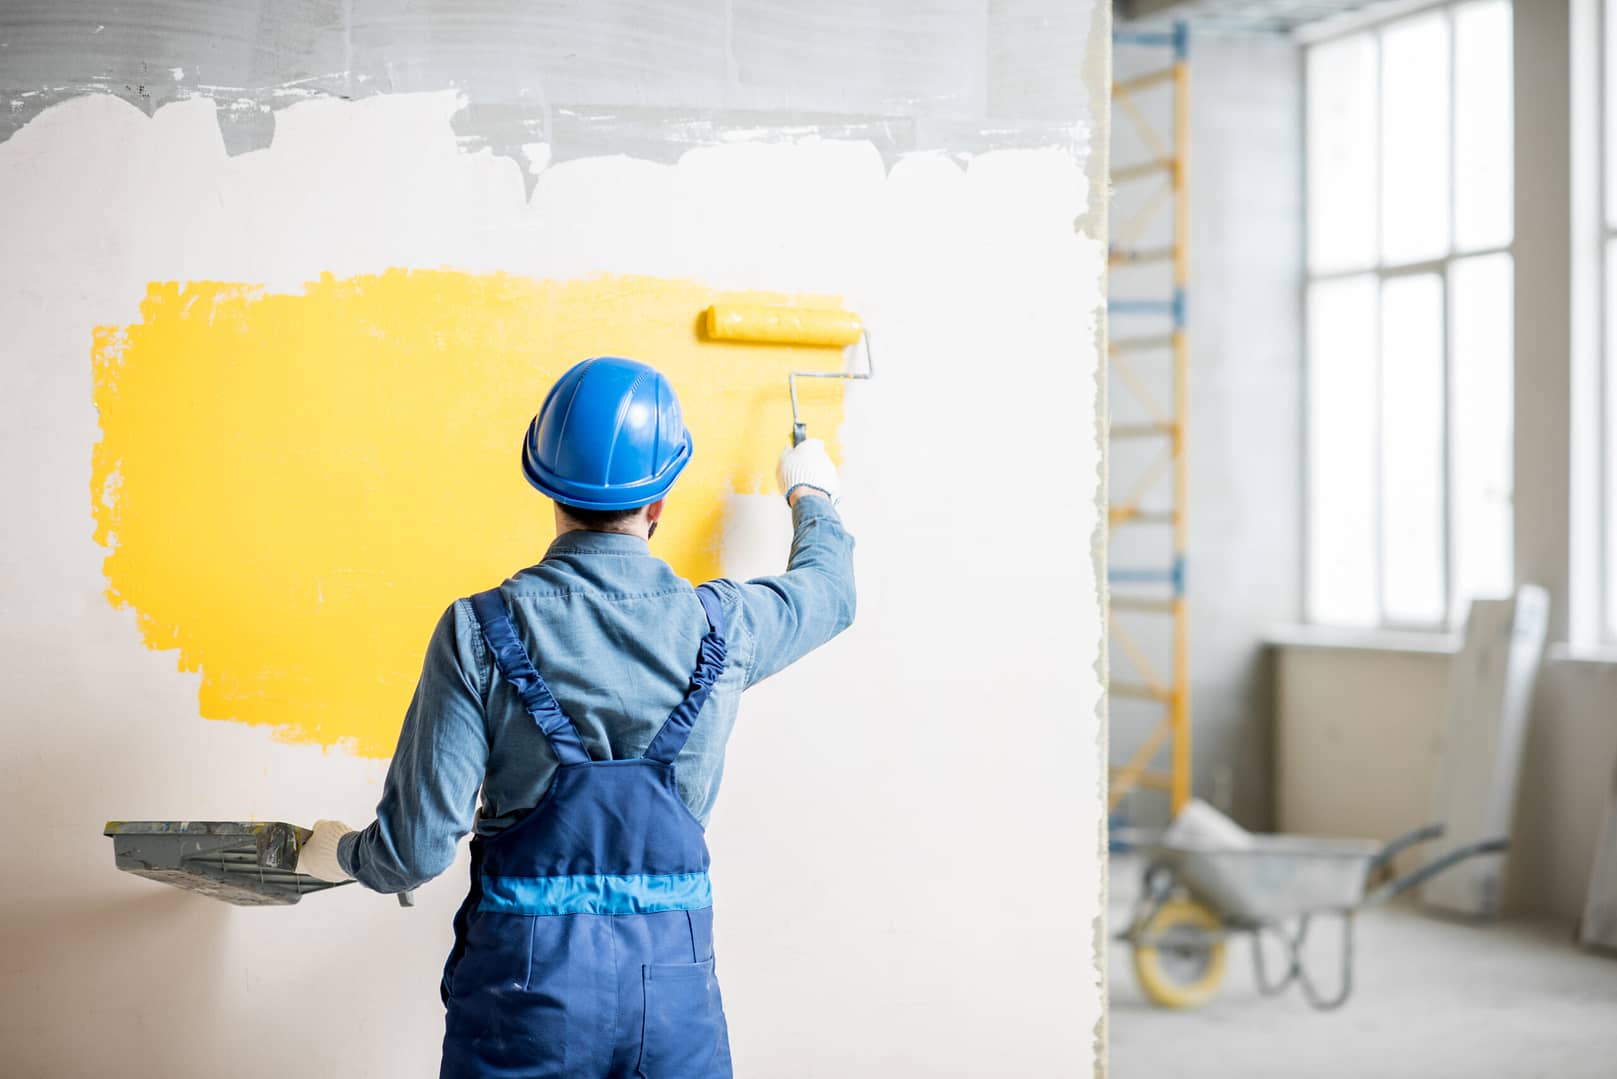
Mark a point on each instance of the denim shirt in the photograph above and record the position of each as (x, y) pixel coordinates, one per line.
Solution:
(614, 633)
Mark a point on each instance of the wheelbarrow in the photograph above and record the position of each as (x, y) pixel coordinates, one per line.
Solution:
(1196, 895)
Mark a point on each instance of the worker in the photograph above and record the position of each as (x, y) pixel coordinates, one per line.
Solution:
(589, 698)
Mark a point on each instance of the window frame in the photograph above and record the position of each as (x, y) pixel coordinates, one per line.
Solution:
(1380, 271)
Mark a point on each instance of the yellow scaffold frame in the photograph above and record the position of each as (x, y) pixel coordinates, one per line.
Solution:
(1172, 692)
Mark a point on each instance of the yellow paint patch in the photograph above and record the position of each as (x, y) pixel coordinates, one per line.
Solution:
(293, 487)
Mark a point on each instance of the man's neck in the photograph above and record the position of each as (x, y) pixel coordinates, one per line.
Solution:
(636, 533)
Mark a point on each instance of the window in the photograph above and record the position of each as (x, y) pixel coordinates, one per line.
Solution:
(1408, 309)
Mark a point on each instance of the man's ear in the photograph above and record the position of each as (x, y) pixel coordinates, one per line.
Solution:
(654, 511)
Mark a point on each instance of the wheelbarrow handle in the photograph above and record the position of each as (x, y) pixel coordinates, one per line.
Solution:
(1424, 834)
(1400, 885)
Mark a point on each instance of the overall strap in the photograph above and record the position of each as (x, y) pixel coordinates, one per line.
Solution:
(709, 666)
(519, 670)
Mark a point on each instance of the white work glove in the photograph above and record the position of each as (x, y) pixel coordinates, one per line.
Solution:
(808, 465)
(318, 855)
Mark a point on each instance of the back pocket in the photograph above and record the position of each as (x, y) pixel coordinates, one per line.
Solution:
(684, 1035)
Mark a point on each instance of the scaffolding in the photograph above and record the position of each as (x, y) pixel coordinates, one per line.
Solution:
(1152, 590)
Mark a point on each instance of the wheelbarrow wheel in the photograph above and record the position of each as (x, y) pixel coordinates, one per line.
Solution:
(1182, 966)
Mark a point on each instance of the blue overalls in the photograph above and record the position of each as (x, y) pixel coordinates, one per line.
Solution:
(585, 946)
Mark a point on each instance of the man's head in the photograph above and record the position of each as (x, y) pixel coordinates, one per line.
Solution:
(607, 445)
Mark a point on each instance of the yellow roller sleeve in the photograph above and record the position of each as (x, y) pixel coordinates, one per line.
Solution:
(816, 326)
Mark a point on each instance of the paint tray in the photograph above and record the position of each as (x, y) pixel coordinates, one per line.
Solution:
(250, 864)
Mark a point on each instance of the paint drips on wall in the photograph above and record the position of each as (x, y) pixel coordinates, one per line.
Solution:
(293, 487)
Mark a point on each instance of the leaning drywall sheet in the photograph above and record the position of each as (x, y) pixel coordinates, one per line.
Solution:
(1490, 692)
(1598, 927)
(260, 417)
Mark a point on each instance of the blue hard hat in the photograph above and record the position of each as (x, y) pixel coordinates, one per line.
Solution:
(608, 437)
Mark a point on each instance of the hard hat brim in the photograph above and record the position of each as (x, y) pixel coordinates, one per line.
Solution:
(627, 496)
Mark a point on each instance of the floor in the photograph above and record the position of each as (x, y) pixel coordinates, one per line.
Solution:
(1431, 998)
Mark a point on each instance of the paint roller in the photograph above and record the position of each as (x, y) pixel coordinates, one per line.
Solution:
(804, 327)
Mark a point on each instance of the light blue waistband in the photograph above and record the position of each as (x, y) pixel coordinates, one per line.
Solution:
(642, 893)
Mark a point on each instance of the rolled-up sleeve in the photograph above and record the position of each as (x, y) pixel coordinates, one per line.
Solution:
(429, 799)
(790, 615)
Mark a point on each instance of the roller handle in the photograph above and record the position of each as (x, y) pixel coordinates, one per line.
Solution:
(799, 433)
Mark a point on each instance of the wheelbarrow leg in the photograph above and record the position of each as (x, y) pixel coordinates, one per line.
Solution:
(1312, 994)
(1291, 945)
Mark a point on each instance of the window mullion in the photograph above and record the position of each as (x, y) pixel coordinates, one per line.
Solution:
(1604, 570)
(1604, 622)
(1450, 533)
(1597, 570)
(1378, 479)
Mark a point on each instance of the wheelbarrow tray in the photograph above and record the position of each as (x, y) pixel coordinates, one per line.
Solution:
(1274, 878)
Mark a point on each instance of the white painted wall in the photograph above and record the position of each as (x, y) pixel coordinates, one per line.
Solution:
(906, 850)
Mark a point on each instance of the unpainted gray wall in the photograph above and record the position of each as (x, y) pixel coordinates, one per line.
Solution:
(1245, 400)
(618, 76)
